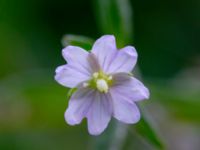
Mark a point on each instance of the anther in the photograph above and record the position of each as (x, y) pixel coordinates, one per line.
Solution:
(95, 75)
(110, 78)
(85, 84)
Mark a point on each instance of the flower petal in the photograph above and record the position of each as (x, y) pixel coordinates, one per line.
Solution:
(79, 105)
(104, 49)
(123, 110)
(70, 76)
(78, 68)
(124, 61)
(99, 114)
(130, 87)
(78, 58)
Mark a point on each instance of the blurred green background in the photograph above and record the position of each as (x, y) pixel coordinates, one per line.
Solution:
(166, 35)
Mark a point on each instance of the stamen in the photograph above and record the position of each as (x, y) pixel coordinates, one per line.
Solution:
(95, 75)
(110, 78)
(85, 84)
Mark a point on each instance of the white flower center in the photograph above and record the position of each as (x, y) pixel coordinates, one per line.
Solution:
(102, 85)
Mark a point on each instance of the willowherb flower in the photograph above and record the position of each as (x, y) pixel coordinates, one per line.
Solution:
(105, 87)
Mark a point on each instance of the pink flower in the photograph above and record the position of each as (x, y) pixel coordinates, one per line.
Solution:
(104, 85)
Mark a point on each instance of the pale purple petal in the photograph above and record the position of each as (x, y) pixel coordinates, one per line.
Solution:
(94, 63)
(78, 58)
(105, 49)
(79, 105)
(78, 68)
(130, 87)
(123, 110)
(70, 76)
(124, 61)
(99, 114)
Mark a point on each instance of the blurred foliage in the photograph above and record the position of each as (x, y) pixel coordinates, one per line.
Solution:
(162, 29)
(166, 35)
(183, 101)
(144, 129)
(77, 40)
(32, 111)
(115, 17)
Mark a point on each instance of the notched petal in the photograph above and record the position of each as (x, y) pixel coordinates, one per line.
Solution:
(105, 49)
(73, 53)
(104, 42)
(130, 87)
(79, 105)
(99, 114)
(123, 109)
(77, 57)
(70, 76)
(124, 61)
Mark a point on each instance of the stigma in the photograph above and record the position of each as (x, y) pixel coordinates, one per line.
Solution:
(102, 85)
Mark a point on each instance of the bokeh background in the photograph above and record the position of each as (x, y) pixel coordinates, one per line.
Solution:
(166, 36)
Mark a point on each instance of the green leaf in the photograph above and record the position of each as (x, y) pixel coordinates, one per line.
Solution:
(77, 40)
(145, 129)
(115, 17)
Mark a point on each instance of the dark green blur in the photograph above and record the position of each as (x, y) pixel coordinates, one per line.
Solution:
(166, 35)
